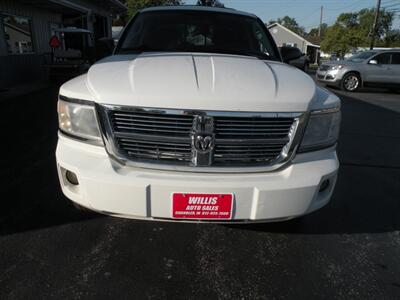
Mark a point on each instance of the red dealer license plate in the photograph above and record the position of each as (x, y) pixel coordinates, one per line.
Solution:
(202, 206)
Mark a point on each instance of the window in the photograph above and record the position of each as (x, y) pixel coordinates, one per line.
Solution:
(263, 43)
(395, 58)
(361, 56)
(18, 34)
(197, 31)
(383, 59)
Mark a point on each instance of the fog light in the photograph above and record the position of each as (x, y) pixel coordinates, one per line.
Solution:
(324, 185)
(71, 177)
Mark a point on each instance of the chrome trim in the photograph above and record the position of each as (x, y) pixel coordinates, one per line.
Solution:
(287, 154)
(98, 142)
(74, 100)
(326, 110)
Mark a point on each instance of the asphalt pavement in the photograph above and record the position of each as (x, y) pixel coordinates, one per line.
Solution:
(348, 250)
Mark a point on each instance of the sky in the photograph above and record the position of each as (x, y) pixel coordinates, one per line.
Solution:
(306, 12)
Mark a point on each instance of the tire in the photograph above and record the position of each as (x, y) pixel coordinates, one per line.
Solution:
(351, 82)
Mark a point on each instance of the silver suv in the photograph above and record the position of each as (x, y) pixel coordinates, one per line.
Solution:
(368, 69)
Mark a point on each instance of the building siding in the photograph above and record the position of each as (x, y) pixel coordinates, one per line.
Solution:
(21, 68)
(40, 21)
(282, 36)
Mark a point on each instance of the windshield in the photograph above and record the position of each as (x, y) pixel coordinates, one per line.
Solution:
(361, 56)
(197, 31)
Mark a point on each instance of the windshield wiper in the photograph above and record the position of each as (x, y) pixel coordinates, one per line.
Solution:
(138, 49)
(259, 55)
(145, 48)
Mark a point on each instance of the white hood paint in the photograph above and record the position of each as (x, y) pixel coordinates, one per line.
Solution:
(196, 81)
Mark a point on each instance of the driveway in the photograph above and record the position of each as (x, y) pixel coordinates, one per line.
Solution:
(349, 249)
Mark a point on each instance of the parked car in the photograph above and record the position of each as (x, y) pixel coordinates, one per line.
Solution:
(196, 118)
(334, 57)
(369, 69)
(303, 62)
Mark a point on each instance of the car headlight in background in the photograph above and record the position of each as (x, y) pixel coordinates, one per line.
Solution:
(322, 130)
(78, 119)
(337, 67)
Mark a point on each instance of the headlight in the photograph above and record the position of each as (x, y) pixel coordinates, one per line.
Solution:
(78, 119)
(338, 67)
(322, 130)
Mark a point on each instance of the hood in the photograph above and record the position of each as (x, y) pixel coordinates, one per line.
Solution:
(200, 81)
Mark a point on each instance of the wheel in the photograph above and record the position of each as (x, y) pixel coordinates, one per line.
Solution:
(351, 82)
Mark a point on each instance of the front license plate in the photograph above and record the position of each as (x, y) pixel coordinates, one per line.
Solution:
(202, 206)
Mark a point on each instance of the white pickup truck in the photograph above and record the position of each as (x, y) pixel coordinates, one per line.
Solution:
(196, 117)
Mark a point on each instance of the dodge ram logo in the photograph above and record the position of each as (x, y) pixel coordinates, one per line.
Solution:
(203, 140)
(203, 143)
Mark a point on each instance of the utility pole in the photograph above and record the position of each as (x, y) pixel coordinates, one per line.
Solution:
(375, 26)
(320, 23)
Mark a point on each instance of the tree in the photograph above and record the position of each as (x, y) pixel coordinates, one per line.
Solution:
(337, 39)
(352, 30)
(289, 23)
(135, 5)
(391, 39)
(312, 35)
(215, 3)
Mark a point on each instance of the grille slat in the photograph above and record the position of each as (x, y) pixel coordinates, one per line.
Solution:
(242, 160)
(279, 130)
(138, 122)
(160, 157)
(249, 152)
(255, 127)
(161, 143)
(156, 125)
(277, 146)
(155, 153)
(148, 136)
(150, 130)
(247, 126)
(247, 133)
(138, 115)
(159, 149)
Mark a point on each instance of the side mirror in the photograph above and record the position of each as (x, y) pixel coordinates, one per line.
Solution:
(290, 53)
(104, 47)
(373, 62)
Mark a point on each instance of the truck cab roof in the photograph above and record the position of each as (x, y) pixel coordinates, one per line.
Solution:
(198, 8)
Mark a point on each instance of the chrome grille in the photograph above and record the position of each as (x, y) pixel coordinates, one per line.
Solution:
(151, 123)
(165, 137)
(155, 150)
(245, 153)
(257, 127)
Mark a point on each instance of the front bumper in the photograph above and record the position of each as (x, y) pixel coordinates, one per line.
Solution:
(330, 77)
(107, 187)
